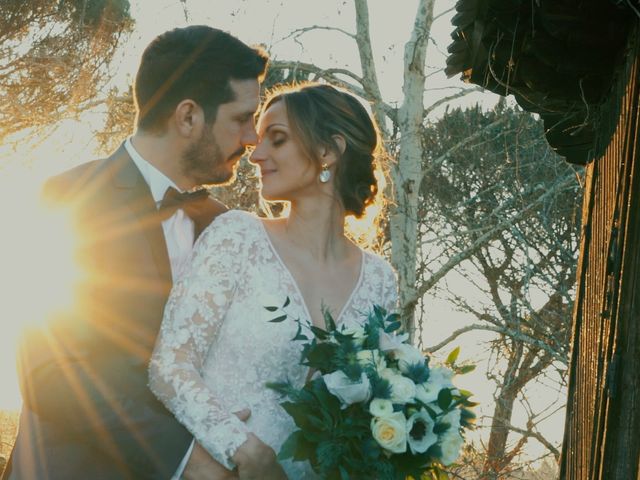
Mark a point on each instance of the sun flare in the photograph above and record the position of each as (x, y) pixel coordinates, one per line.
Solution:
(39, 273)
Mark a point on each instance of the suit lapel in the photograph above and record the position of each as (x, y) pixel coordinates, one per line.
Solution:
(204, 213)
(136, 195)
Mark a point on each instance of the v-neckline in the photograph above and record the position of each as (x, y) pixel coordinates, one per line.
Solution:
(303, 301)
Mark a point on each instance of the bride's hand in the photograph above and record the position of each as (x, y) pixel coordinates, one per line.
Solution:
(257, 461)
(201, 466)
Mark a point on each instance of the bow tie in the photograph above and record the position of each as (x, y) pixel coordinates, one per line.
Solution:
(174, 200)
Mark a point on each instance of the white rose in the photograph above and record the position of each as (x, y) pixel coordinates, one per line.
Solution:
(356, 331)
(391, 342)
(380, 407)
(450, 444)
(408, 355)
(420, 432)
(368, 357)
(390, 432)
(347, 390)
(403, 390)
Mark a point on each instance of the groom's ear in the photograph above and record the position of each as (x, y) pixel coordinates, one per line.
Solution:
(188, 118)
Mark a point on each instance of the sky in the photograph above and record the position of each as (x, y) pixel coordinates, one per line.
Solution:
(268, 22)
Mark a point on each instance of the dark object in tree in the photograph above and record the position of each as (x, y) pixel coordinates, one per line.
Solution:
(556, 57)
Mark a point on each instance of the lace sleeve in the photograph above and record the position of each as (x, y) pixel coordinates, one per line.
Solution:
(193, 316)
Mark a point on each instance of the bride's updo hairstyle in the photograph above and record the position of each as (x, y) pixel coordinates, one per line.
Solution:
(317, 113)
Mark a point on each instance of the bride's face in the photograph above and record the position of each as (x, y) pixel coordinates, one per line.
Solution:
(286, 173)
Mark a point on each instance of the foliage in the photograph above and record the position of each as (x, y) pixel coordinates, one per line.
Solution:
(53, 57)
(340, 421)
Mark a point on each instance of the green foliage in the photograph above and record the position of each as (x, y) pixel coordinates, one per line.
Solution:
(444, 398)
(453, 356)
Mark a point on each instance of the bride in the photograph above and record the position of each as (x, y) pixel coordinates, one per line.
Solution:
(217, 346)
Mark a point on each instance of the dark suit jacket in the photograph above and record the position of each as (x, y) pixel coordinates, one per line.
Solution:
(87, 412)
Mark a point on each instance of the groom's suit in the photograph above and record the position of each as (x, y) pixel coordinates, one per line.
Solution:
(88, 413)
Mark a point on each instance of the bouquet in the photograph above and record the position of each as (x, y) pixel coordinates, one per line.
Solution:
(374, 407)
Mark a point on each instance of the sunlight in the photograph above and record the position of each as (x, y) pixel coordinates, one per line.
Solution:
(365, 230)
(39, 273)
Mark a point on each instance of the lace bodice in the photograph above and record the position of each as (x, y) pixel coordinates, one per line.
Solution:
(217, 348)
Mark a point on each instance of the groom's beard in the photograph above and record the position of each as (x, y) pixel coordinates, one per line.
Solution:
(204, 163)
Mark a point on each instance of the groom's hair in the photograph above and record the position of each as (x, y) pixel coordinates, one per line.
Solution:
(196, 63)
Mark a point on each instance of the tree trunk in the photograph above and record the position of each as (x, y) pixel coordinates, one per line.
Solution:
(407, 171)
(496, 450)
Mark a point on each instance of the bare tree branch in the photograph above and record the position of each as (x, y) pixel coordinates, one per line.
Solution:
(441, 14)
(329, 75)
(368, 66)
(462, 93)
(301, 31)
(482, 240)
(539, 437)
(517, 335)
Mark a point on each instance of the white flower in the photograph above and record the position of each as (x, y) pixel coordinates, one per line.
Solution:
(439, 378)
(368, 357)
(408, 355)
(391, 342)
(380, 407)
(387, 373)
(441, 375)
(347, 390)
(427, 392)
(420, 432)
(403, 390)
(390, 432)
(450, 444)
(356, 331)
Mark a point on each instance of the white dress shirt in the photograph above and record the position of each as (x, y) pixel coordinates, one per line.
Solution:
(178, 234)
(178, 228)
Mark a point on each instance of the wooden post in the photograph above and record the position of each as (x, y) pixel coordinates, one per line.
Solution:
(602, 432)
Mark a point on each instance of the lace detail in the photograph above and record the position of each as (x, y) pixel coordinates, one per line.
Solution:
(217, 348)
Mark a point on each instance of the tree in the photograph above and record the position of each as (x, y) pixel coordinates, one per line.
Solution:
(54, 57)
(480, 177)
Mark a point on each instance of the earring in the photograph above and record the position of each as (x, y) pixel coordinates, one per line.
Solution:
(325, 174)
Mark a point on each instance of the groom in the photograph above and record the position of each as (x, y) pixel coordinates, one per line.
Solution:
(87, 412)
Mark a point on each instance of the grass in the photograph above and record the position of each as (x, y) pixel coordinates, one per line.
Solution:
(8, 430)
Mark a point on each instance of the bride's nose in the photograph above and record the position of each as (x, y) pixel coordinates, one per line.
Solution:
(258, 154)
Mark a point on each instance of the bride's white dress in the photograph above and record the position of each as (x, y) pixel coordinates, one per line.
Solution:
(217, 348)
